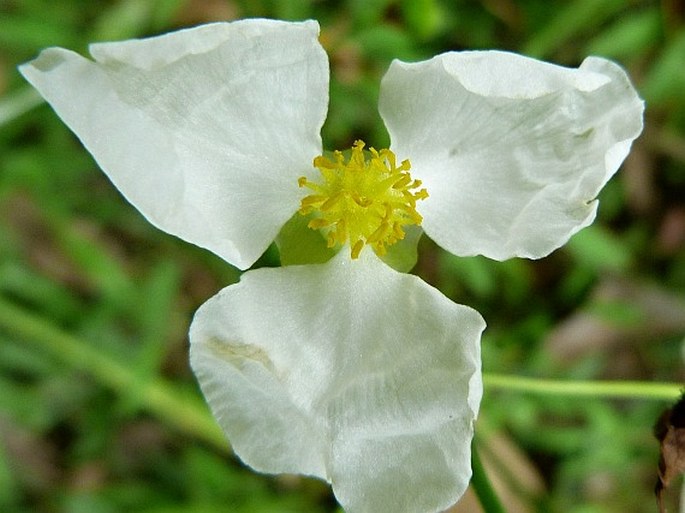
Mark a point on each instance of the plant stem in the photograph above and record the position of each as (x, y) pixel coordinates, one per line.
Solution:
(160, 398)
(481, 485)
(608, 389)
(191, 416)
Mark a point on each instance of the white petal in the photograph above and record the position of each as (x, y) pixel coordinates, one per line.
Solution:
(204, 130)
(348, 371)
(513, 151)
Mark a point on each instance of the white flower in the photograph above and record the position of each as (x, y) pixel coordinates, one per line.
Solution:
(346, 370)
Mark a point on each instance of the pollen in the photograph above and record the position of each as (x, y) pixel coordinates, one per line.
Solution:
(365, 200)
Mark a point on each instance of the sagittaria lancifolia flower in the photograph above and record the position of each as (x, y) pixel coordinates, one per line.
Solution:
(344, 369)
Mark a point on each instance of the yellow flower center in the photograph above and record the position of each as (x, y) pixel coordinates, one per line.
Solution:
(362, 201)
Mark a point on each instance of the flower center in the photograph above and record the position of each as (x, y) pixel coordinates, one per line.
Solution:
(362, 201)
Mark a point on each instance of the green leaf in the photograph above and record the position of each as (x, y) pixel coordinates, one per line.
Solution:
(292, 9)
(629, 36)
(425, 18)
(477, 273)
(10, 491)
(14, 105)
(366, 13)
(27, 34)
(578, 17)
(133, 18)
(168, 402)
(618, 313)
(665, 81)
(385, 42)
(596, 248)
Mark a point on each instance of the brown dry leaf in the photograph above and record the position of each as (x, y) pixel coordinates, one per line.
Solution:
(671, 235)
(670, 431)
(195, 12)
(638, 177)
(661, 314)
(32, 459)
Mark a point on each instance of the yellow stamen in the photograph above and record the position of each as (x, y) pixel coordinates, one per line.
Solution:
(362, 201)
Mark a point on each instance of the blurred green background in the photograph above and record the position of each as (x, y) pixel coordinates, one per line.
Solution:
(99, 412)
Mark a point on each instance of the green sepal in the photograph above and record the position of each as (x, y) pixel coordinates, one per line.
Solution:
(402, 255)
(299, 245)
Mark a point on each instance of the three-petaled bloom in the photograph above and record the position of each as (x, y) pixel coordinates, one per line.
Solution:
(346, 370)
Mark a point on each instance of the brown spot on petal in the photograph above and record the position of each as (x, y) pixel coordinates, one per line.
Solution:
(237, 354)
